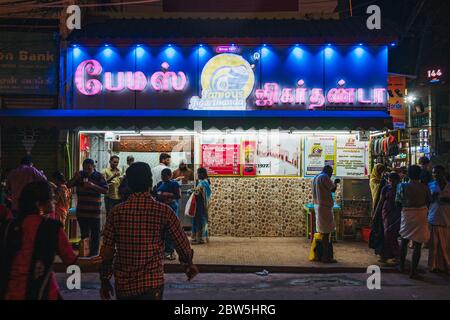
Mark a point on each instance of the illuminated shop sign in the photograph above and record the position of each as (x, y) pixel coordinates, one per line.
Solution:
(227, 81)
(218, 78)
(227, 49)
(160, 81)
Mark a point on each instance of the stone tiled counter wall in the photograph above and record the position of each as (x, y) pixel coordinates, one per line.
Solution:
(259, 207)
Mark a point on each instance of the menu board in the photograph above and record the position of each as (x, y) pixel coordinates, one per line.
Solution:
(278, 155)
(351, 157)
(319, 152)
(221, 159)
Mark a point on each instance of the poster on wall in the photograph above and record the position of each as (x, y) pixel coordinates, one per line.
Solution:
(319, 151)
(221, 159)
(351, 157)
(396, 103)
(278, 155)
(249, 158)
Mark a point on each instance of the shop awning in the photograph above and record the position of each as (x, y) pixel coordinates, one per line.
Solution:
(184, 119)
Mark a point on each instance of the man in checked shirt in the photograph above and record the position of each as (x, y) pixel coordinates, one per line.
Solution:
(133, 242)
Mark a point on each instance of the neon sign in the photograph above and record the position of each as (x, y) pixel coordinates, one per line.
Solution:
(227, 80)
(272, 94)
(434, 75)
(160, 81)
(227, 49)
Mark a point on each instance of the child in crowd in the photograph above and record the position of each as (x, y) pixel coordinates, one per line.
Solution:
(168, 191)
(63, 197)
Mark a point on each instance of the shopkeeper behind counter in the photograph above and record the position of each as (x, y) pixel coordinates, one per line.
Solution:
(183, 173)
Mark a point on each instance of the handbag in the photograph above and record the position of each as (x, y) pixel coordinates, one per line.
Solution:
(191, 206)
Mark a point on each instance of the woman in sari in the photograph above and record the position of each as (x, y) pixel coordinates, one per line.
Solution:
(439, 220)
(28, 247)
(202, 196)
(375, 181)
(391, 214)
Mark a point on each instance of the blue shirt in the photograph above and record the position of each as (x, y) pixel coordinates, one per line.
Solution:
(172, 187)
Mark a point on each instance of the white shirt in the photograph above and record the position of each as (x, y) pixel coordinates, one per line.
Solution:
(156, 173)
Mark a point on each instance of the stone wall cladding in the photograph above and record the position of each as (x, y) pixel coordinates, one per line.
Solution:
(259, 207)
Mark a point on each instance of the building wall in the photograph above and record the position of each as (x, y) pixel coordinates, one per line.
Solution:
(42, 145)
(259, 207)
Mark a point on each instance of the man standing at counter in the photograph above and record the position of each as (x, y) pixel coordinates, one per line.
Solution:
(183, 173)
(164, 163)
(113, 177)
(323, 188)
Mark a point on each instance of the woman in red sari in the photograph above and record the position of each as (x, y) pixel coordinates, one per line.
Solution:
(29, 245)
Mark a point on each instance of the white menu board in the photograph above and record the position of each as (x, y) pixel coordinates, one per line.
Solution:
(351, 157)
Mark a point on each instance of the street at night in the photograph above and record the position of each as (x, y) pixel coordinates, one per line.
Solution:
(220, 152)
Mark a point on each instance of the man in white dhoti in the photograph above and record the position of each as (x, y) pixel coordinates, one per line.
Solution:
(415, 198)
(323, 188)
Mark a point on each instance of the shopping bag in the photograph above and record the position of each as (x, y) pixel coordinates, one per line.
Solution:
(191, 206)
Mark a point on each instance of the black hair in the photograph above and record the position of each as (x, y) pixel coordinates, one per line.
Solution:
(130, 158)
(440, 169)
(424, 160)
(327, 168)
(58, 176)
(139, 177)
(414, 172)
(88, 162)
(26, 160)
(164, 156)
(202, 170)
(33, 193)
(394, 176)
(114, 157)
(166, 172)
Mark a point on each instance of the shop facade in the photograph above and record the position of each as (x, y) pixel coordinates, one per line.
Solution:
(263, 115)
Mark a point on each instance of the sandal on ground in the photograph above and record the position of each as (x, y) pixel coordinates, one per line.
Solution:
(170, 256)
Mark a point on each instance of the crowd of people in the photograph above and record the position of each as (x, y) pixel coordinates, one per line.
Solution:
(410, 210)
(142, 226)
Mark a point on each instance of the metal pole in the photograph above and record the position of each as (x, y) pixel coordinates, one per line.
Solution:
(431, 133)
(410, 133)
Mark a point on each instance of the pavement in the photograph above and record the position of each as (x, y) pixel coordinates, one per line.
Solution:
(249, 286)
(281, 255)
(228, 269)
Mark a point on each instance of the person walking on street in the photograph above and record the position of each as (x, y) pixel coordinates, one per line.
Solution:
(133, 242)
(18, 178)
(323, 188)
(29, 246)
(168, 192)
(439, 220)
(164, 162)
(415, 198)
(113, 178)
(90, 185)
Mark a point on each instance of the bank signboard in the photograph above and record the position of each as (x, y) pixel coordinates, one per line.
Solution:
(28, 63)
(228, 77)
